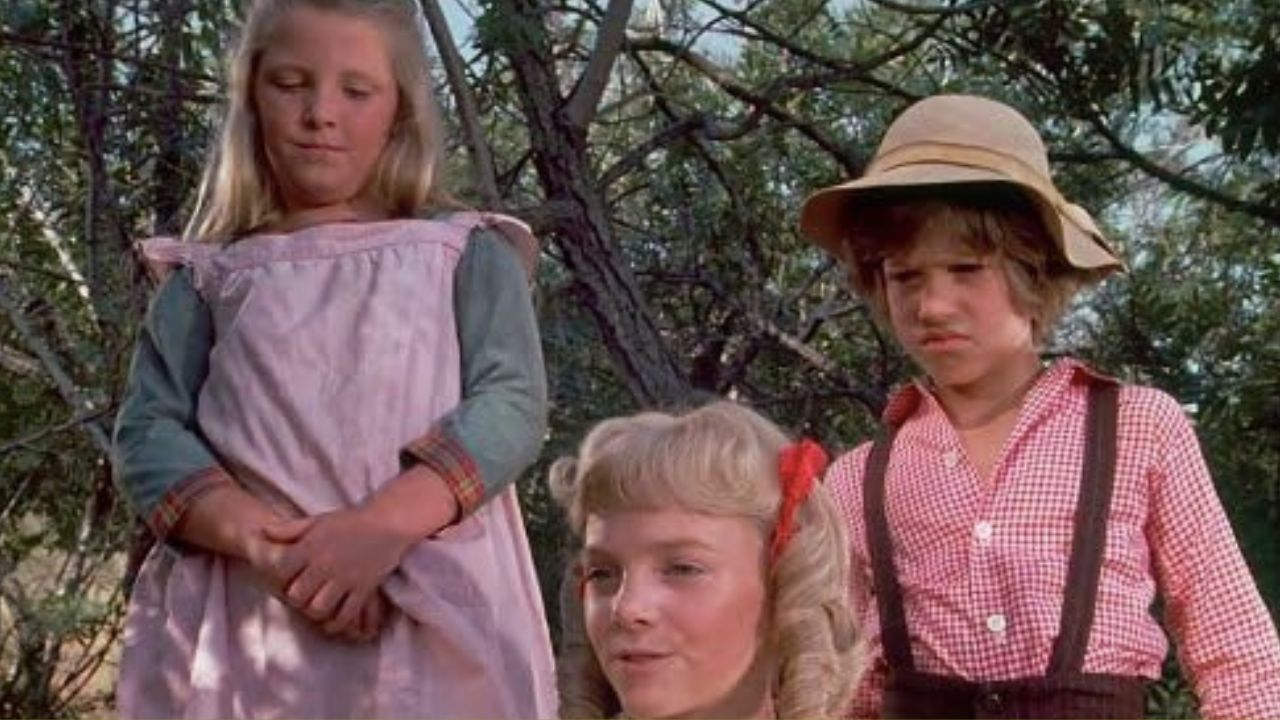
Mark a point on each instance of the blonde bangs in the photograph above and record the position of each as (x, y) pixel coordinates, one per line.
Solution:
(719, 460)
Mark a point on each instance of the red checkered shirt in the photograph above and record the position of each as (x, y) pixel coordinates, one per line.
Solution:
(982, 563)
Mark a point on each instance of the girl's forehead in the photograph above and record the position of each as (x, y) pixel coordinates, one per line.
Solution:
(307, 36)
(623, 531)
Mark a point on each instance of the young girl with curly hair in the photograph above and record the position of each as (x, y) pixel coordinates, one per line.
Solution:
(713, 575)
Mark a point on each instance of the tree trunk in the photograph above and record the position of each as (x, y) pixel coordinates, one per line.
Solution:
(583, 232)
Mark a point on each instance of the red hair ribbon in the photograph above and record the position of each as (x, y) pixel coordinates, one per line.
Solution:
(800, 464)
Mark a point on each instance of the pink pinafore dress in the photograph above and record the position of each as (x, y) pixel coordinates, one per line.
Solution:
(335, 346)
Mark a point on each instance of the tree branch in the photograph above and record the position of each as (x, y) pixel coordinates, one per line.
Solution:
(1094, 115)
(769, 329)
(53, 50)
(814, 358)
(29, 438)
(849, 162)
(610, 37)
(455, 72)
(53, 366)
(668, 135)
(945, 10)
(866, 66)
(17, 362)
(740, 211)
(1177, 181)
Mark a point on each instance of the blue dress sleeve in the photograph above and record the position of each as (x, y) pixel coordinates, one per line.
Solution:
(497, 430)
(162, 462)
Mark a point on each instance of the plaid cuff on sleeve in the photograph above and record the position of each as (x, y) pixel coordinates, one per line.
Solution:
(446, 457)
(175, 502)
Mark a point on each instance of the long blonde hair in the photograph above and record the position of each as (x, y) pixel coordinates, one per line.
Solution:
(237, 193)
(720, 459)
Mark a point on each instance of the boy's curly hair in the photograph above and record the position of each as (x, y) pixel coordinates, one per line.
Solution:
(988, 218)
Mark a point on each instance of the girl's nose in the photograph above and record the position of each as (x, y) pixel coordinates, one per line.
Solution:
(319, 110)
(634, 604)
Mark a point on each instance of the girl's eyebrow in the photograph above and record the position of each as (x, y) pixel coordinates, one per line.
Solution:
(360, 77)
(676, 545)
(686, 544)
(287, 66)
(280, 66)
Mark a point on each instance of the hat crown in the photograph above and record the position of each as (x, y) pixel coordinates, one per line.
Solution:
(966, 121)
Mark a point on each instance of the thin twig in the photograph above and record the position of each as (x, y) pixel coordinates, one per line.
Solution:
(30, 438)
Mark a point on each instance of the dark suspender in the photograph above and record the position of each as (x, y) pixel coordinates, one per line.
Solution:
(1087, 544)
(1089, 537)
(893, 621)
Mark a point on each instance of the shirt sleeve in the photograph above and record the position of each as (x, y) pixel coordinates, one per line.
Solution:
(497, 430)
(162, 462)
(1225, 637)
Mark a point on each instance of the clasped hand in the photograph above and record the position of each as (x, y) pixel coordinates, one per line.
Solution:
(329, 567)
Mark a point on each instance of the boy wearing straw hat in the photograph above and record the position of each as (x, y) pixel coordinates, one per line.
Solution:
(1016, 520)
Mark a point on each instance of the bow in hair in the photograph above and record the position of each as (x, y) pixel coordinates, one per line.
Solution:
(800, 464)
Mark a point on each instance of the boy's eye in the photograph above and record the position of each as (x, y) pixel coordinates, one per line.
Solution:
(357, 93)
(966, 268)
(902, 276)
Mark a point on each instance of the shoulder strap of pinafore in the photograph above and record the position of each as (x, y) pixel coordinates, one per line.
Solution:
(514, 231)
(1089, 537)
(893, 621)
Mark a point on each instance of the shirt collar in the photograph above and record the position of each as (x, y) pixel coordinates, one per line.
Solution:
(916, 395)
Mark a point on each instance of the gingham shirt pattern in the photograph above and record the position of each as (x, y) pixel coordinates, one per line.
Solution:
(983, 562)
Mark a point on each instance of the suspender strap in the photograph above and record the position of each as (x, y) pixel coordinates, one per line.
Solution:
(1090, 530)
(1088, 540)
(893, 620)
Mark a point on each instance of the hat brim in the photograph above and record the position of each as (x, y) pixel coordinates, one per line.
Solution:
(825, 220)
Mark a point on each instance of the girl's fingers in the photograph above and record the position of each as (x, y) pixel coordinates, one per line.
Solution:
(346, 620)
(304, 587)
(287, 531)
(324, 604)
(288, 564)
(374, 614)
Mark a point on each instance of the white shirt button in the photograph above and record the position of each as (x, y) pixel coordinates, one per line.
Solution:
(983, 531)
(950, 459)
(997, 623)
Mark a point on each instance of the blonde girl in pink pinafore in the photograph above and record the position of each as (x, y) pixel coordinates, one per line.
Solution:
(333, 391)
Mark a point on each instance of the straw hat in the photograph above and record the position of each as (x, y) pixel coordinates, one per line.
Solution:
(954, 139)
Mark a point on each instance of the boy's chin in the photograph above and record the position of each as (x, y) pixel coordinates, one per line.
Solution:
(948, 371)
